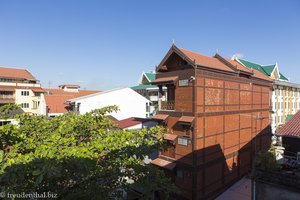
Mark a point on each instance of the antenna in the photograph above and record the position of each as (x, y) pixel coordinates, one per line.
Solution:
(49, 84)
(173, 42)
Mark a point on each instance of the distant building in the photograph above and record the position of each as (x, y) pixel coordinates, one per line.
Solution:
(146, 89)
(285, 95)
(290, 135)
(135, 123)
(130, 103)
(20, 87)
(53, 102)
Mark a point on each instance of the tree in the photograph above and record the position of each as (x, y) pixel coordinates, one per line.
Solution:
(78, 157)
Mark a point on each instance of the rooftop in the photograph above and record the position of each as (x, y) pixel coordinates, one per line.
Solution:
(214, 62)
(292, 127)
(55, 99)
(16, 73)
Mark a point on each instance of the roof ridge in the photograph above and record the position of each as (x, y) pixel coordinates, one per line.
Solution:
(196, 53)
(13, 67)
(249, 61)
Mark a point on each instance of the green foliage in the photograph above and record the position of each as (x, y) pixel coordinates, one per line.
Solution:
(7, 109)
(267, 160)
(78, 157)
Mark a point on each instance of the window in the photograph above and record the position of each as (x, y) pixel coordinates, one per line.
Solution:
(36, 104)
(25, 93)
(147, 107)
(183, 141)
(24, 105)
(179, 173)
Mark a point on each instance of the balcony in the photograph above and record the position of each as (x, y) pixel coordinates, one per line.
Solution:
(7, 98)
(167, 105)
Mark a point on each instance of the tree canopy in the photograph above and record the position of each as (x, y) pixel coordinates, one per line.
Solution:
(78, 157)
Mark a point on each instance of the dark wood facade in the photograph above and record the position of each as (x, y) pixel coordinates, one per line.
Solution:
(231, 111)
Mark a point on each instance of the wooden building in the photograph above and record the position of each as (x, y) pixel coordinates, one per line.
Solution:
(217, 113)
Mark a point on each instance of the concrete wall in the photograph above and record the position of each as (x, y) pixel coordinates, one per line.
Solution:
(27, 99)
(130, 103)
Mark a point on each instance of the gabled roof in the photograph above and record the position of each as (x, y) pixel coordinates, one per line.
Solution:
(216, 62)
(150, 76)
(251, 65)
(282, 77)
(205, 61)
(266, 69)
(292, 127)
(107, 91)
(269, 69)
(16, 73)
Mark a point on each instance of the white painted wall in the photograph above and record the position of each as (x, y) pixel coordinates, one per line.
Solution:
(42, 110)
(130, 103)
(19, 99)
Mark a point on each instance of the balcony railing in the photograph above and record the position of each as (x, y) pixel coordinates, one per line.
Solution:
(4, 96)
(7, 98)
(167, 105)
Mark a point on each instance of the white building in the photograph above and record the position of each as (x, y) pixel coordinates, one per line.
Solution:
(20, 87)
(146, 89)
(130, 103)
(285, 100)
(53, 102)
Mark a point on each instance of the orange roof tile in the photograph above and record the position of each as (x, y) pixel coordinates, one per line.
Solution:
(15, 73)
(56, 98)
(291, 128)
(212, 62)
(56, 103)
(206, 61)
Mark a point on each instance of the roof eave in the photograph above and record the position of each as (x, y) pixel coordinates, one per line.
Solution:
(176, 50)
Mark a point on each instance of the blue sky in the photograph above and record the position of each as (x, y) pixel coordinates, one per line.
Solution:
(108, 44)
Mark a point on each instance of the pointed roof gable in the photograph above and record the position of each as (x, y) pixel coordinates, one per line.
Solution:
(206, 61)
(251, 65)
(150, 76)
(269, 69)
(195, 59)
(282, 77)
(266, 69)
(215, 62)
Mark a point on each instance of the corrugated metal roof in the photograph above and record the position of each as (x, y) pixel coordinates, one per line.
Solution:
(292, 127)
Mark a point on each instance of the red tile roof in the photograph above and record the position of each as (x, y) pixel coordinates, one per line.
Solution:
(216, 62)
(292, 127)
(126, 123)
(56, 103)
(213, 62)
(56, 98)
(16, 73)
(164, 163)
(206, 61)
